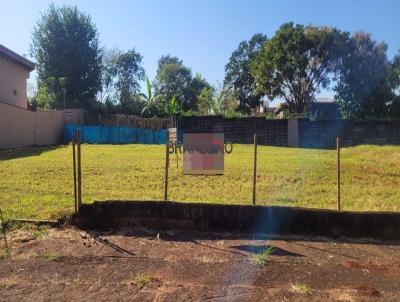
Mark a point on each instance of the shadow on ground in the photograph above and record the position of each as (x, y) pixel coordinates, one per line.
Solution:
(7, 154)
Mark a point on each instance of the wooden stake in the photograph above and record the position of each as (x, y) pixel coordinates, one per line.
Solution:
(3, 228)
(74, 164)
(255, 169)
(78, 140)
(166, 168)
(338, 172)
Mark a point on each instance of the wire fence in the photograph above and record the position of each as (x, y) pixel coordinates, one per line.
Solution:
(38, 182)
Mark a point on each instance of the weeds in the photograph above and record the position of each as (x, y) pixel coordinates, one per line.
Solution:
(40, 232)
(142, 280)
(50, 256)
(262, 258)
(301, 288)
(7, 283)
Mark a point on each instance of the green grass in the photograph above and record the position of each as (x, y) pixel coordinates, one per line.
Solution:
(262, 258)
(50, 256)
(301, 288)
(38, 183)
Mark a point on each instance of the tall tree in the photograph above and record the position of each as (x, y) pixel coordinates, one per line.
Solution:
(394, 109)
(238, 75)
(121, 74)
(363, 82)
(173, 79)
(296, 62)
(205, 100)
(65, 44)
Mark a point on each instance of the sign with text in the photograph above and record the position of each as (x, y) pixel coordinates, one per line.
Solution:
(203, 153)
(173, 135)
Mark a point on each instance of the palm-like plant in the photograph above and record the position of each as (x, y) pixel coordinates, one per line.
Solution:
(149, 98)
(172, 109)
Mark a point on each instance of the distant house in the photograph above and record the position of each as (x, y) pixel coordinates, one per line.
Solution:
(324, 109)
(320, 109)
(14, 72)
(264, 108)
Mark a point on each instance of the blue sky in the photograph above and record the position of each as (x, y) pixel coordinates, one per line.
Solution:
(202, 33)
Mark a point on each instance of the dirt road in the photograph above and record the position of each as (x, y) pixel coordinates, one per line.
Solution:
(141, 265)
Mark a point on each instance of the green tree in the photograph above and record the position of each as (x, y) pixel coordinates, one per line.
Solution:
(65, 44)
(174, 80)
(121, 74)
(43, 98)
(296, 62)
(238, 76)
(363, 82)
(205, 101)
(394, 105)
(197, 85)
(225, 102)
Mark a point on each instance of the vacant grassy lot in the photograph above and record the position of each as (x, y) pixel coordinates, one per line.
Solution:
(37, 182)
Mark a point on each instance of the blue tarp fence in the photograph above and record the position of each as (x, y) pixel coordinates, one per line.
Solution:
(116, 135)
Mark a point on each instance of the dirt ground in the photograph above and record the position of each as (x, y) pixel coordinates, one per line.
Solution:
(142, 265)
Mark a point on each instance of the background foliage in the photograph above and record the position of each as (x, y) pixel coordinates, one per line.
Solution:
(291, 66)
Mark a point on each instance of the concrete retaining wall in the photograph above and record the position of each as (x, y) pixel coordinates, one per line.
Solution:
(23, 128)
(241, 218)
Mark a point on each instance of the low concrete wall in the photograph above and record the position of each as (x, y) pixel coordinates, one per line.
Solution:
(17, 127)
(23, 128)
(49, 127)
(241, 218)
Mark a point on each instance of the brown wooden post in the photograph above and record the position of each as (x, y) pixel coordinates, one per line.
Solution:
(74, 164)
(338, 171)
(255, 169)
(177, 157)
(78, 141)
(166, 167)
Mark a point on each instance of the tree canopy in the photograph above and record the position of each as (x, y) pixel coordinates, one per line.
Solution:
(121, 75)
(293, 66)
(296, 62)
(65, 45)
(238, 76)
(363, 81)
(173, 79)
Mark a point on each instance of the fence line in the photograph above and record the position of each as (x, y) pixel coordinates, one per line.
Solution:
(127, 121)
(279, 132)
(296, 132)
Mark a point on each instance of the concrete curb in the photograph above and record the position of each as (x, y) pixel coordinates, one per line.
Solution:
(241, 218)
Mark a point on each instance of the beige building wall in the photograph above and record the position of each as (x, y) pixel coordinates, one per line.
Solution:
(23, 128)
(17, 127)
(13, 87)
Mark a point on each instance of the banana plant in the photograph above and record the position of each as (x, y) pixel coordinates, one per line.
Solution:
(172, 109)
(149, 98)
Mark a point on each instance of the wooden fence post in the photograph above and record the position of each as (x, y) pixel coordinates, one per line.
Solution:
(74, 168)
(166, 167)
(255, 169)
(78, 140)
(177, 157)
(338, 171)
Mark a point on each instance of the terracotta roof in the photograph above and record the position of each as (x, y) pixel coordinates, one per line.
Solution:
(16, 58)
